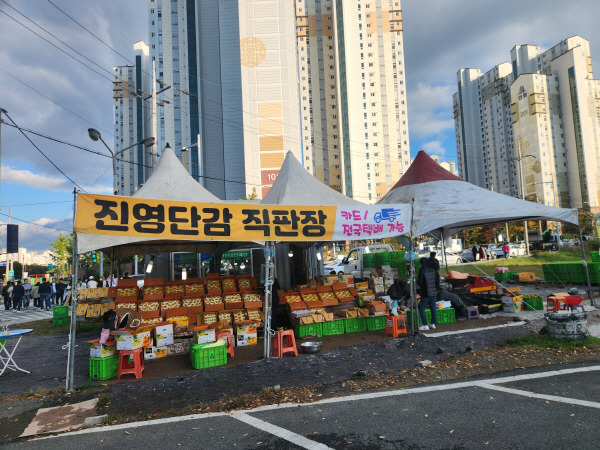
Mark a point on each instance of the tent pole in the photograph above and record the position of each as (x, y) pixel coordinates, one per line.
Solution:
(269, 279)
(73, 325)
(444, 250)
(413, 287)
(587, 273)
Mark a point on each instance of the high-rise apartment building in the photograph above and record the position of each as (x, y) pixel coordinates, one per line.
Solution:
(245, 81)
(551, 141)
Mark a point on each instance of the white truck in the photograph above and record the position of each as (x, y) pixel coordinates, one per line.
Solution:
(353, 263)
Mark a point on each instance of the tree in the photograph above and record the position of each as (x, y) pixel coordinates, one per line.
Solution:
(61, 252)
(253, 196)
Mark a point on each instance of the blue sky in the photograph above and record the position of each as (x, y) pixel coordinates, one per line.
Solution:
(45, 90)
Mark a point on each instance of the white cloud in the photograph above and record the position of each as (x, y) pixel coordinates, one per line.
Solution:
(35, 180)
(36, 235)
(434, 148)
(430, 109)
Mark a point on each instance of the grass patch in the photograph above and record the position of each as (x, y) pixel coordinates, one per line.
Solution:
(542, 341)
(43, 327)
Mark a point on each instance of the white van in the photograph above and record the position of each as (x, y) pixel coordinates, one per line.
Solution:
(353, 263)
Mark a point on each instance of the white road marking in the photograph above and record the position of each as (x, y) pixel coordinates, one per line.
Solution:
(349, 398)
(473, 330)
(282, 433)
(554, 398)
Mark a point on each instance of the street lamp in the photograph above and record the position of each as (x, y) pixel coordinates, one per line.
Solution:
(95, 135)
(519, 159)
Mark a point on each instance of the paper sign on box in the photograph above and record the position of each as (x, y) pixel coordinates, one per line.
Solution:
(98, 350)
(243, 340)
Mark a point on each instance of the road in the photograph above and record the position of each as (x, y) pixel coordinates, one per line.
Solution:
(539, 408)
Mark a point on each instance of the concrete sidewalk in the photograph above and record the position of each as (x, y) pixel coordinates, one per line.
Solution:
(24, 316)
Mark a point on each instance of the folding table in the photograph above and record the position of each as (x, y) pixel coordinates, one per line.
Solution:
(6, 357)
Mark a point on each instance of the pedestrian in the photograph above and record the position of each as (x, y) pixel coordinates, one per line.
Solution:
(27, 287)
(429, 286)
(101, 282)
(92, 284)
(481, 253)
(60, 291)
(17, 296)
(7, 294)
(53, 293)
(505, 250)
(126, 276)
(82, 284)
(488, 253)
(45, 293)
(475, 252)
(35, 294)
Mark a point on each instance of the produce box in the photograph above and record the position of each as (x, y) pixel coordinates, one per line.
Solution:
(328, 280)
(213, 303)
(246, 283)
(131, 340)
(163, 333)
(170, 304)
(228, 284)
(98, 350)
(246, 327)
(347, 313)
(252, 300)
(233, 301)
(347, 279)
(192, 301)
(525, 277)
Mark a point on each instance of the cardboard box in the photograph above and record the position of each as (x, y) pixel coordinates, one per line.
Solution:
(163, 333)
(305, 320)
(362, 285)
(526, 276)
(246, 327)
(327, 316)
(162, 352)
(205, 335)
(150, 352)
(347, 279)
(127, 340)
(377, 308)
(347, 313)
(98, 350)
(82, 311)
(328, 280)
(243, 340)
(363, 312)
(177, 348)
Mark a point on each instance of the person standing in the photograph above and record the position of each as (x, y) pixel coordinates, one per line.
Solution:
(7, 293)
(481, 253)
(488, 253)
(474, 251)
(429, 285)
(27, 296)
(92, 284)
(17, 296)
(505, 250)
(45, 293)
(53, 293)
(35, 294)
(60, 291)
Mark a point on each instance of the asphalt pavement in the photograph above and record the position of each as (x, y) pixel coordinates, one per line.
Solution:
(536, 408)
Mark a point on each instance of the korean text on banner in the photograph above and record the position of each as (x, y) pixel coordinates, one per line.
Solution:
(166, 219)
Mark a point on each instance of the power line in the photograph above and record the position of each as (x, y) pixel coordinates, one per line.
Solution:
(43, 154)
(36, 224)
(36, 204)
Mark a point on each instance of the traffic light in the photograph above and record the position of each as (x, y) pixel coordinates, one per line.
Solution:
(94, 257)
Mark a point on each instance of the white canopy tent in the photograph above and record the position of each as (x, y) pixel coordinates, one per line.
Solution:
(445, 204)
(169, 181)
(296, 186)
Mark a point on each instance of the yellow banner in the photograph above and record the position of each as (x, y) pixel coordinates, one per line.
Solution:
(165, 219)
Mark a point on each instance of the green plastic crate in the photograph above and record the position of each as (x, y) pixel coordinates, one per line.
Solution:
(333, 328)
(58, 321)
(446, 315)
(501, 276)
(368, 260)
(355, 325)
(596, 256)
(60, 311)
(104, 368)
(533, 303)
(409, 316)
(312, 329)
(203, 358)
(375, 322)
(511, 274)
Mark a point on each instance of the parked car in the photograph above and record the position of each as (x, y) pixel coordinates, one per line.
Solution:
(338, 267)
(517, 249)
(453, 258)
(466, 256)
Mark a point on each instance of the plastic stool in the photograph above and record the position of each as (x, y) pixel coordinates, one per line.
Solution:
(556, 304)
(228, 340)
(576, 307)
(472, 312)
(393, 327)
(125, 367)
(284, 343)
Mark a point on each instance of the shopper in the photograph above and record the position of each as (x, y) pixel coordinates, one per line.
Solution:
(429, 286)
(45, 293)
(17, 296)
(481, 253)
(7, 294)
(27, 296)
(505, 250)
(399, 291)
(60, 291)
(488, 253)
(92, 284)
(35, 294)
(475, 252)
(53, 293)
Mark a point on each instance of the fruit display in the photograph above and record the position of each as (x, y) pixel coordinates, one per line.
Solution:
(195, 287)
(252, 297)
(174, 289)
(169, 304)
(152, 290)
(239, 315)
(127, 305)
(245, 283)
(127, 292)
(213, 284)
(148, 306)
(232, 298)
(213, 300)
(310, 297)
(209, 318)
(254, 314)
(196, 301)
(228, 284)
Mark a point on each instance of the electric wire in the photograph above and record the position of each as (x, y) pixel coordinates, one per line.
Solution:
(43, 154)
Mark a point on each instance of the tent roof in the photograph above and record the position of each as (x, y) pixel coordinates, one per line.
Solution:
(295, 186)
(169, 181)
(446, 203)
